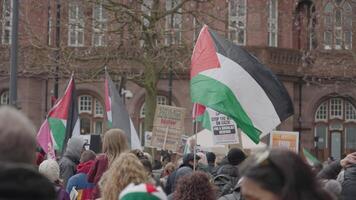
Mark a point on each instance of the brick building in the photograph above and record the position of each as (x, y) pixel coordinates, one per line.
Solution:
(308, 44)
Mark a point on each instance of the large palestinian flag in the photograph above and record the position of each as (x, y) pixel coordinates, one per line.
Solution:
(227, 79)
(117, 115)
(61, 123)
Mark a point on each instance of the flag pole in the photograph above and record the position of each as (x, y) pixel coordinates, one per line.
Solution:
(195, 128)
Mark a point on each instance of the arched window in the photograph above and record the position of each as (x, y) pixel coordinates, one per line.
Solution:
(91, 113)
(338, 25)
(4, 98)
(237, 21)
(335, 127)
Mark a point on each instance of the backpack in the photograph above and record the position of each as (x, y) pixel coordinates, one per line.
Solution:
(225, 184)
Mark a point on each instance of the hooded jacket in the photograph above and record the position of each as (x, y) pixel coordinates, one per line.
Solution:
(70, 159)
(80, 180)
(184, 169)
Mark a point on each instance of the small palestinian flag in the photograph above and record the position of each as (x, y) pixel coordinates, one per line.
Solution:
(61, 123)
(310, 158)
(145, 191)
(117, 115)
(229, 80)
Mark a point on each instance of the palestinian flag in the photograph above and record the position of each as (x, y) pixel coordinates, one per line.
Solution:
(310, 158)
(229, 80)
(117, 115)
(61, 123)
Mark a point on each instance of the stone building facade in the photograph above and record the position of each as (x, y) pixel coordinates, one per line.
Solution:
(309, 44)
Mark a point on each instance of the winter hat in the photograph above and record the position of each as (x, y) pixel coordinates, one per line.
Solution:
(50, 169)
(143, 191)
(235, 156)
(210, 156)
(189, 157)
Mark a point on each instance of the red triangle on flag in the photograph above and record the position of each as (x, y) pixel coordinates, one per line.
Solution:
(204, 55)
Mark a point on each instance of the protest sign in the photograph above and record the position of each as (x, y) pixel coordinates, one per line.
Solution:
(224, 129)
(285, 139)
(168, 127)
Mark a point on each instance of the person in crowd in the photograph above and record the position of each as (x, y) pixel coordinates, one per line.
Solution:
(203, 163)
(168, 170)
(348, 164)
(279, 174)
(124, 170)
(157, 170)
(195, 186)
(317, 167)
(80, 180)
(22, 181)
(184, 169)
(144, 191)
(50, 169)
(227, 174)
(148, 166)
(68, 163)
(210, 156)
(17, 137)
(18, 177)
(114, 143)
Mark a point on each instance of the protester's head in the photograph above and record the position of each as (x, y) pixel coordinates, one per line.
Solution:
(147, 164)
(50, 169)
(75, 147)
(236, 156)
(169, 168)
(17, 137)
(87, 155)
(114, 143)
(195, 186)
(210, 156)
(124, 170)
(202, 159)
(148, 156)
(143, 191)
(21, 181)
(279, 175)
(188, 159)
(157, 164)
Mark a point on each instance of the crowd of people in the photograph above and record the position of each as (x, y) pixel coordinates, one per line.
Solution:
(120, 173)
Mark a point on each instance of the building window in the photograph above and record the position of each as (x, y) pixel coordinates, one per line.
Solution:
(336, 110)
(338, 25)
(321, 132)
(350, 137)
(173, 23)
(85, 104)
(350, 112)
(4, 98)
(237, 21)
(333, 118)
(197, 28)
(6, 21)
(99, 25)
(76, 25)
(91, 112)
(322, 112)
(272, 23)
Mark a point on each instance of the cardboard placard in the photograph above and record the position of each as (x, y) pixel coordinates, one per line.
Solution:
(285, 139)
(168, 127)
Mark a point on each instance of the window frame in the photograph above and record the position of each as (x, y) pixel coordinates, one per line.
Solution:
(234, 29)
(272, 22)
(175, 29)
(99, 26)
(76, 25)
(6, 19)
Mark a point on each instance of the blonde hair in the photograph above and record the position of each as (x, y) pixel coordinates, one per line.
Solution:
(114, 143)
(124, 170)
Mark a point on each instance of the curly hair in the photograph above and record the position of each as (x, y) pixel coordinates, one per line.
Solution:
(195, 187)
(124, 170)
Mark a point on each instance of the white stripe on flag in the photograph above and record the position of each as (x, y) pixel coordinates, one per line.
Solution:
(248, 92)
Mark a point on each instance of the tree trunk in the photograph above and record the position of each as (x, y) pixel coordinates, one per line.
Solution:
(150, 85)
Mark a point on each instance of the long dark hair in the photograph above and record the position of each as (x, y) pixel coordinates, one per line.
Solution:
(285, 174)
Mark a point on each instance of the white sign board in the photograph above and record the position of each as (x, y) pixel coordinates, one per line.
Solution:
(224, 129)
(285, 139)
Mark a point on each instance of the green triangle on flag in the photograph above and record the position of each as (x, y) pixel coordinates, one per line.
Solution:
(310, 158)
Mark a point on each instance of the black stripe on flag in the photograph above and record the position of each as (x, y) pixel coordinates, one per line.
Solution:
(269, 82)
